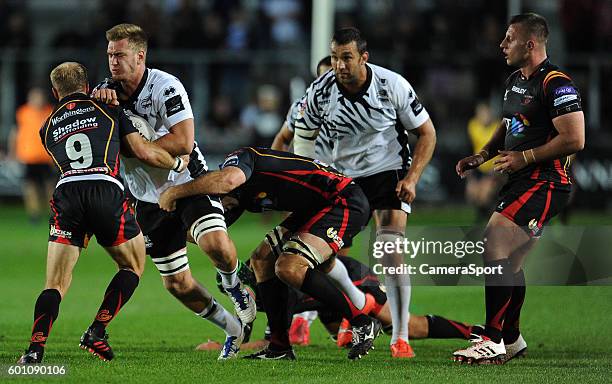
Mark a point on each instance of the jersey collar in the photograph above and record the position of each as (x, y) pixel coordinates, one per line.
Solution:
(134, 97)
(539, 69)
(74, 96)
(362, 91)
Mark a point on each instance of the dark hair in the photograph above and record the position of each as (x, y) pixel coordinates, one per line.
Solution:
(324, 61)
(535, 25)
(345, 36)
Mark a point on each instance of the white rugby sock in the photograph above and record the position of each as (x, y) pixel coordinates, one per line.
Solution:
(340, 276)
(229, 279)
(219, 316)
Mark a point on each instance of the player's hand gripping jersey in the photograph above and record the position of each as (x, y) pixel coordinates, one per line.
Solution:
(162, 100)
(365, 133)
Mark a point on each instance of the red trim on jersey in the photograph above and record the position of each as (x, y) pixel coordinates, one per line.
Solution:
(121, 234)
(60, 240)
(115, 171)
(306, 227)
(551, 186)
(561, 171)
(340, 186)
(345, 217)
(536, 172)
(513, 208)
(304, 184)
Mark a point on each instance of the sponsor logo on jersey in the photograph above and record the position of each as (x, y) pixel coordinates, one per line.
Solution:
(78, 124)
(517, 124)
(506, 95)
(230, 161)
(333, 234)
(533, 224)
(518, 90)
(148, 242)
(174, 105)
(319, 162)
(54, 231)
(564, 99)
(70, 113)
(416, 106)
(566, 90)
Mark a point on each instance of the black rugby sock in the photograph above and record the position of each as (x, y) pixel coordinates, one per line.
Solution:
(510, 329)
(274, 297)
(319, 286)
(46, 311)
(498, 292)
(442, 328)
(118, 293)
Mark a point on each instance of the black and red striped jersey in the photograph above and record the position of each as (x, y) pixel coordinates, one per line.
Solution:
(83, 137)
(282, 181)
(530, 105)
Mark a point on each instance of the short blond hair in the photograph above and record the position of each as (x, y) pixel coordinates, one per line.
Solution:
(69, 77)
(137, 38)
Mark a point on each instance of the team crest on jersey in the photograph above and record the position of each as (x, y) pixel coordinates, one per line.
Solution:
(146, 102)
(70, 106)
(527, 99)
(169, 91)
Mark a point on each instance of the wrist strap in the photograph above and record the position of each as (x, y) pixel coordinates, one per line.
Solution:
(178, 164)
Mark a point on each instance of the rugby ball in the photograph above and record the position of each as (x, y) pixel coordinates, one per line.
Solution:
(142, 125)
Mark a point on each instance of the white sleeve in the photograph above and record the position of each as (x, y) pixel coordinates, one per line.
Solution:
(410, 111)
(171, 102)
(305, 124)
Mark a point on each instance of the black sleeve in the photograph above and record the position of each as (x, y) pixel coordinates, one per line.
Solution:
(243, 159)
(123, 121)
(561, 96)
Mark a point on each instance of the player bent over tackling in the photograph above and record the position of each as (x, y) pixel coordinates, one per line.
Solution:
(326, 207)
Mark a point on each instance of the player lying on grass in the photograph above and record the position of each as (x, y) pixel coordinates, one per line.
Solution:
(84, 138)
(326, 208)
(421, 327)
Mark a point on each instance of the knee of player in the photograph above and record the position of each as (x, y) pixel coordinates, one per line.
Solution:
(289, 271)
(217, 244)
(177, 285)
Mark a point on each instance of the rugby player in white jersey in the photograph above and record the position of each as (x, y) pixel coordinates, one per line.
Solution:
(362, 112)
(161, 99)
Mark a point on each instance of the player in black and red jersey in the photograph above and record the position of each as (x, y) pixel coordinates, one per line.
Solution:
(84, 139)
(543, 125)
(326, 207)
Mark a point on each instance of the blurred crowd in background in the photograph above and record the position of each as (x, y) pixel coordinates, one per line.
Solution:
(244, 61)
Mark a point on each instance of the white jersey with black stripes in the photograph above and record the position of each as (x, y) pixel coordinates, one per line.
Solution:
(364, 133)
(162, 100)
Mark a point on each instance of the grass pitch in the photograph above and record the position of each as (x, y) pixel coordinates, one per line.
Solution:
(568, 329)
